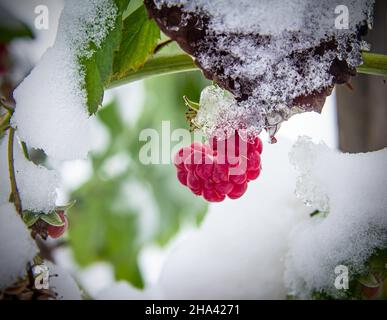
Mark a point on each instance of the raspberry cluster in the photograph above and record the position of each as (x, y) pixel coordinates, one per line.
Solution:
(221, 168)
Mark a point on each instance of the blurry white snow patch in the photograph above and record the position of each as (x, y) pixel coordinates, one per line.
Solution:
(351, 188)
(62, 283)
(16, 246)
(36, 184)
(124, 291)
(239, 251)
(51, 111)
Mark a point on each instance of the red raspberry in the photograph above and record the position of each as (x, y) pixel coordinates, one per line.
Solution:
(212, 196)
(182, 176)
(238, 190)
(222, 168)
(56, 232)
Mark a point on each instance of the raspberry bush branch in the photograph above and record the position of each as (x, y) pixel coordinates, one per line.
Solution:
(15, 196)
(374, 64)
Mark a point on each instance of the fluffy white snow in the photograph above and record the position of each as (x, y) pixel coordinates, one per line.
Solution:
(352, 189)
(51, 112)
(272, 17)
(37, 185)
(16, 246)
(62, 283)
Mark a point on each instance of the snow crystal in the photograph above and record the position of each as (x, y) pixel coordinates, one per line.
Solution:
(36, 184)
(277, 57)
(16, 246)
(51, 110)
(62, 284)
(218, 107)
(351, 190)
(239, 251)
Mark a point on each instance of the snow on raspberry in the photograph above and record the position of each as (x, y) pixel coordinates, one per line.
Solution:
(221, 168)
(51, 110)
(276, 57)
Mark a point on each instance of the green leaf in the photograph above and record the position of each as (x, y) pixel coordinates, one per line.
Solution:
(139, 39)
(12, 28)
(52, 218)
(30, 218)
(102, 231)
(66, 206)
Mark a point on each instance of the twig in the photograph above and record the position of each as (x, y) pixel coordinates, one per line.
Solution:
(14, 189)
(6, 105)
(162, 44)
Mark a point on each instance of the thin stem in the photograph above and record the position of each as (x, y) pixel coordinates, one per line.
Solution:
(374, 64)
(4, 122)
(12, 177)
(161, 45)
(155, 67)
(6, 105)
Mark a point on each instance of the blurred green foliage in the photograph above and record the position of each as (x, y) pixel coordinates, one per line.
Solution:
(11, 27)
(107, 223)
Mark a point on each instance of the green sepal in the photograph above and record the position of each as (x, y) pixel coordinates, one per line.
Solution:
(65, 206)
(370, 281)
(30, 217)
(52, 218)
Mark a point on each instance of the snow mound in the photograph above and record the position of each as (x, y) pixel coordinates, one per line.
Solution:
(15, 251)
(350, 190)
(36, 184)
(51, 112)
(239, 251)
(62, 284)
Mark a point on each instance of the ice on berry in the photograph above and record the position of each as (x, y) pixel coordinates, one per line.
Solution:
(350, 192)
(277, 57)
(51, 110)
(36, 184)
(17, 248)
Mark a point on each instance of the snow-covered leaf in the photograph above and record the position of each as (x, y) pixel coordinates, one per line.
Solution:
(98, 67)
